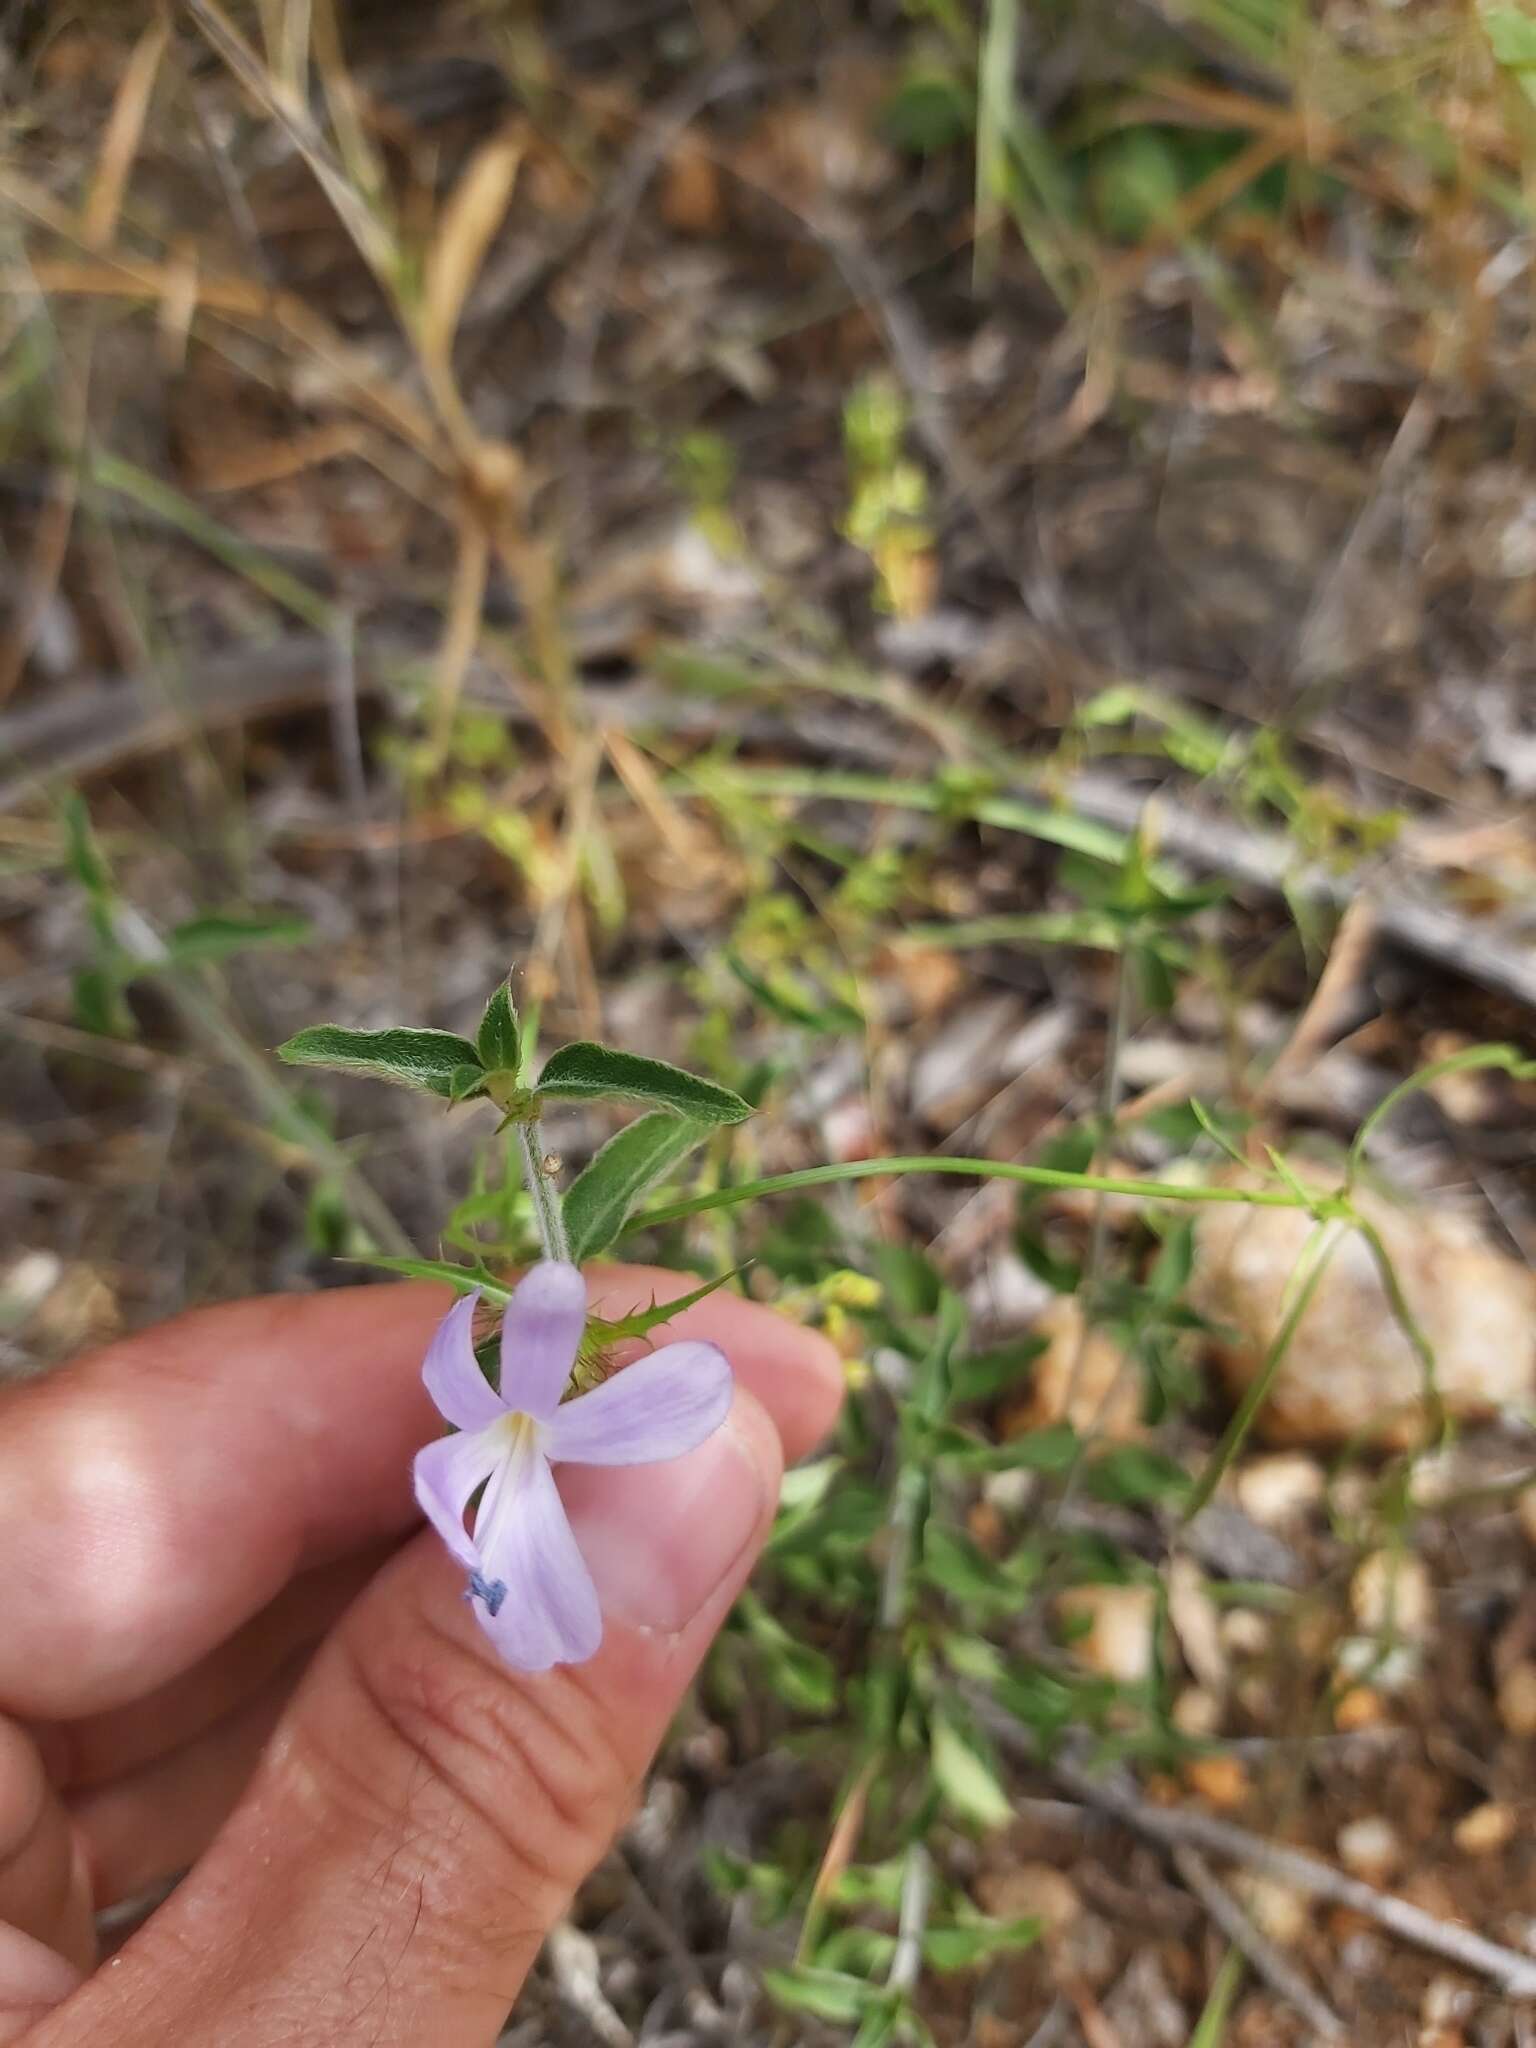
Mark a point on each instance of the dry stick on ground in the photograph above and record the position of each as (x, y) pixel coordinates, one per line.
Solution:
(571, 1959)
(1333, 999)
(92, 727)
(1183, 1829)
(1266, 1959)
(1476, 948)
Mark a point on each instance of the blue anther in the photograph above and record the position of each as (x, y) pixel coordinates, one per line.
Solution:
(491, 1591)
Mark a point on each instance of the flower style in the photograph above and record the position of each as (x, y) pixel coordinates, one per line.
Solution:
(528, 1583)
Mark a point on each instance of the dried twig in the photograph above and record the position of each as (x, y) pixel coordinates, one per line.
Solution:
(1262, 1953)
(572, 1960)
(1333, 998)
(1479, 949)
(1183, 1828)
(87, 728)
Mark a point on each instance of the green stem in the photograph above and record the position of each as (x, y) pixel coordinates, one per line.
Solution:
(1316, 1253)
(546, 1203)
(1407, 1322)
(977, 1169)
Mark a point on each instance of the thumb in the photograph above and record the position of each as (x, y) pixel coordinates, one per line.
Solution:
(422, 1816)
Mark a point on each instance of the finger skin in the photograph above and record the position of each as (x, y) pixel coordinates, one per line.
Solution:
(44, 1883)
(159, 1819)
(33, 1980)
(422, 1816)
(159, 1493)
(101, 1748)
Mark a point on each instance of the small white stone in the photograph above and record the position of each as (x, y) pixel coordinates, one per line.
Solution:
(1032, 1891)
(1517, 1698)
(1274, 1908)
(1119, 1639)
(1391, 1592)
(1445, 2000)
(1280, 1489)
(1371, 1848)
(1350, 1372)
(1485, 1830)
(1362, 1660)
(1197, 1713)
(1245, 1632)
(1197, 1624)
(27, 1283)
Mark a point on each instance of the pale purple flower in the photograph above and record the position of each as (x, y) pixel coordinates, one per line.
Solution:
(528, 1583)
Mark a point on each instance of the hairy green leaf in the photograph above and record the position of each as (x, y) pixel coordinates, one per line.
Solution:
(584, 1072)
(414, 1059)
(498, 1040)
(598, 1201)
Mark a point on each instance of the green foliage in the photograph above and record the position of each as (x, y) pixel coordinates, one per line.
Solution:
(197, 942)
(206, 941)
(598, 1201)
(497, 1041)
(1511, 33)
(966, 1776)
(888, 493)
(933, 109)
(1133, 1475)
(585, 1072)
(640, 1322)
(802, 1678)
(433, 1061)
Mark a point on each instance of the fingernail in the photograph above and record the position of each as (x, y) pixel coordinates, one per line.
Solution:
(661, 1540)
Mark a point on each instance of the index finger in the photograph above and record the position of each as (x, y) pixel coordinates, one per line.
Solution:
(157, 1493)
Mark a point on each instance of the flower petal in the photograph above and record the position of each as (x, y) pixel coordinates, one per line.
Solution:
(549, 1612)
(446, 1473)
(658, 1407)
(539, 1336)
(450, 1373)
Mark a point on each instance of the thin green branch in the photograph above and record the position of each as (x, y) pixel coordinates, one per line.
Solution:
(1316, 1254)
(976, 1169)
(546, 1203)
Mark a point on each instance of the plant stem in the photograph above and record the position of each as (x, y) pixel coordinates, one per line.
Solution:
(546, 1203)
(1310, 1267)
(979, 1169)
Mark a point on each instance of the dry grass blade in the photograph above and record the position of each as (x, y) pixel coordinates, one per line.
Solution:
(644, 785)
(1332, 999)
(466, 604)
(252, 305)
(465, 231)
(844, 1838)
(45, 564)
(285, 30)
(122, 136)
(247, 469)
(373, 240)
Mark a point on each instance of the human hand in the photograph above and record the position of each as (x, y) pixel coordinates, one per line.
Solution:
(225, 1643)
